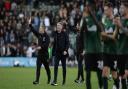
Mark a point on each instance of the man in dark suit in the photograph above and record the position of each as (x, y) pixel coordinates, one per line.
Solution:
(60, 51)
(42, 58)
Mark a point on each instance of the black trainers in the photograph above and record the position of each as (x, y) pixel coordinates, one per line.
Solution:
(49, 79)
(76, 81)
(81, 81)
(63, 83)
(35, 82)
(54, 84)
(48, 82)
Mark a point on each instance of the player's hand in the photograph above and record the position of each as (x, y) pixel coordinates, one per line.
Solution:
(117, 22)
(65, 53)
(103, 34)
(29, 21)
(83, 53)
(38, 48)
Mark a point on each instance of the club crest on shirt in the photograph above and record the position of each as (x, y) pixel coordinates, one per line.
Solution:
(92, 28)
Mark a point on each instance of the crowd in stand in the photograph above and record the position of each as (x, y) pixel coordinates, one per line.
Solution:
(15, 35)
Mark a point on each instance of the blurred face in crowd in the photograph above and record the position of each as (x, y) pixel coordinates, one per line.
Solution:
(108, 11)
(42, 29)
(62, 6)
(86, 9)
(123, 10)
(59, 27)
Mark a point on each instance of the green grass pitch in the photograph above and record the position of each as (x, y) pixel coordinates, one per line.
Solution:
(22, 78)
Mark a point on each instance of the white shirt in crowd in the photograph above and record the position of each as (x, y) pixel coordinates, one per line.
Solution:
(46, 21)
(30, 51)
(4, 49)
(13, 6)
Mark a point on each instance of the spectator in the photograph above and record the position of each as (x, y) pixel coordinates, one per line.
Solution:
(37, 21)
(19, 49)
(13, 6)
(7, 5)
(12, 36)
(36, 4)
(6, 50)
(1, 3)
(63, 12)
(2, 50)
(14, 22)
(21, 14)
(13, 50)
(18, 25)
(2, 15)
(30, 50)
(46, 21)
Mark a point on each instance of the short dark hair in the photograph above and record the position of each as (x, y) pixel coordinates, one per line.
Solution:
(109, 4)
(60, 23)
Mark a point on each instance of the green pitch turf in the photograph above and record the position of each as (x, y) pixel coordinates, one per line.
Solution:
(22, 78)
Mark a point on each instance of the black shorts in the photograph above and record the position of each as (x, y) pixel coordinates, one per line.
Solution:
(122, 62)
(93, 62)
(110, 61)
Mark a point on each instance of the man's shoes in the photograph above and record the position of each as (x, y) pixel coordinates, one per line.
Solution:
(63, 83)
(35, 82)
(81, 81)
(76, 81)
(48, 82)
(54, 84)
